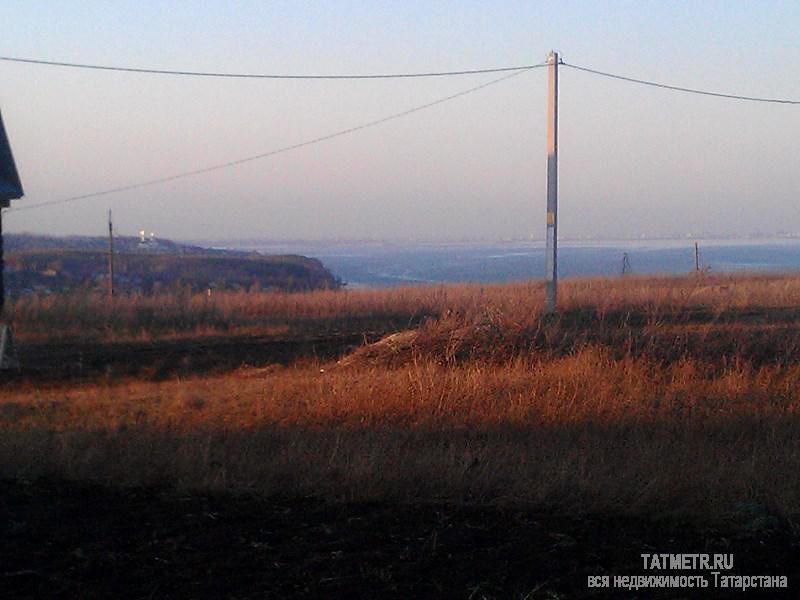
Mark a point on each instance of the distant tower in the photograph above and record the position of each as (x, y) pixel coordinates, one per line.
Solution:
(626, 264)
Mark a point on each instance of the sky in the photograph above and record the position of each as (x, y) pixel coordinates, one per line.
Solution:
(633, 160)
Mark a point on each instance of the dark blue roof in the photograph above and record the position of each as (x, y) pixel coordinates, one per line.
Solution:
(10, 185)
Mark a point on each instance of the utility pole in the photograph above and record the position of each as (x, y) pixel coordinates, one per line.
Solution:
(110, 257)
(551, 251)
(696, 258)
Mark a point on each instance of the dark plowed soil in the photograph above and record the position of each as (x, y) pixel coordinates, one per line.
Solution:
(79, 360)
(69, 540)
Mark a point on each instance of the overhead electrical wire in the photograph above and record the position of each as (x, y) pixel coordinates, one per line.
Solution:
(215, 74)
(511, 72)
(255, 157)
(152, 71)
(677, 88)
(54, 63)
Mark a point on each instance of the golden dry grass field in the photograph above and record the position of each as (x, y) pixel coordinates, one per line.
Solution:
(656, 396)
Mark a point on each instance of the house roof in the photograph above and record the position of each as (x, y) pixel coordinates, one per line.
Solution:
(10, 185)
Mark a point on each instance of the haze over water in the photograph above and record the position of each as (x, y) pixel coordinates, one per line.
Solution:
(376, 264)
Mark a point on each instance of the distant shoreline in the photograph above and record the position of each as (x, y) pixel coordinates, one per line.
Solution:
(390, 264)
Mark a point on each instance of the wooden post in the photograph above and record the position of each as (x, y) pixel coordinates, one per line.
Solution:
(8, 352)
(551, 251)
(110, 258)
(696, 258)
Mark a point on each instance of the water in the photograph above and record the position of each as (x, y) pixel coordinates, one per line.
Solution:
(390, 264)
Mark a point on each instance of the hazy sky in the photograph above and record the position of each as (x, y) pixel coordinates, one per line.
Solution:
(633, 160)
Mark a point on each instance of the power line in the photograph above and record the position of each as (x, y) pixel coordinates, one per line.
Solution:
(240, 161)
(54, 63)
(682, 89)
(213, 74)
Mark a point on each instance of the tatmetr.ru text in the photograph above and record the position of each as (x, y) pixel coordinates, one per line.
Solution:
(689, 562)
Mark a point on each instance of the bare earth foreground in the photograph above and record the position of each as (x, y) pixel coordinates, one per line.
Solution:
(418, 442)
(79, 540)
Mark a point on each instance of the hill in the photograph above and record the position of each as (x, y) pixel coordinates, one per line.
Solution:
(41, 264)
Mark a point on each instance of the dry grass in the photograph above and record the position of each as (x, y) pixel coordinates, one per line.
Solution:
(646, 395)
(153, 317)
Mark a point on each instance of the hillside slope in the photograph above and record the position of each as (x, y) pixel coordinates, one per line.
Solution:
(46, 264)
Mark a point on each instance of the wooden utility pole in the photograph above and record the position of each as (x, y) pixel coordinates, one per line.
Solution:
(696, 258)
(551, 251)
(110, 257)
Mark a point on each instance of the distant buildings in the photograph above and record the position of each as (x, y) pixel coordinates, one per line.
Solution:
(146, 242)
